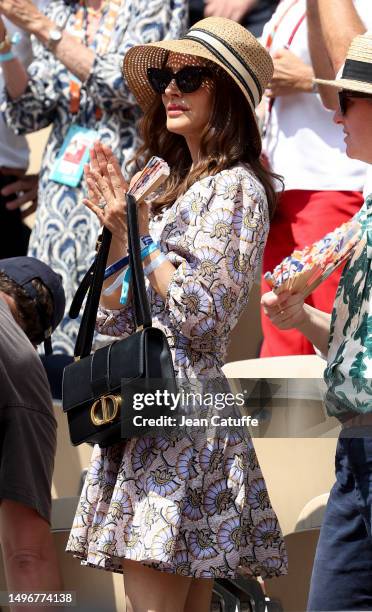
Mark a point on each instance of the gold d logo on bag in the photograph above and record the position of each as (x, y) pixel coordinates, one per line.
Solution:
(105, 409)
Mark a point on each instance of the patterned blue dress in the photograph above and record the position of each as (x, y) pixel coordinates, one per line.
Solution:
(189, 502)
(65, 231)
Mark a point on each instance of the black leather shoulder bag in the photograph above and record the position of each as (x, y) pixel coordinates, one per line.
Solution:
(99, 389)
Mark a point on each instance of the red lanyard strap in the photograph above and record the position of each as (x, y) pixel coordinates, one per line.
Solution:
(295, 30)
(271, 36)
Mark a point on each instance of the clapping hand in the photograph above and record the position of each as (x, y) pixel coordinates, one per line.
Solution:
(106, 190)
(106, 193)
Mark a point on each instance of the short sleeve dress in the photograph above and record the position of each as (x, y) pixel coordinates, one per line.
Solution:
(195, 505)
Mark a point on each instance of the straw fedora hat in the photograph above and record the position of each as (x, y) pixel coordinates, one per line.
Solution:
(220, 40)
(357, 71)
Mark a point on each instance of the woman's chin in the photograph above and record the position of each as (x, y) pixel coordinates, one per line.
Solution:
(177, 125)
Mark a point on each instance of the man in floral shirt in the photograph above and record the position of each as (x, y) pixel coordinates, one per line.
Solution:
(343, 564)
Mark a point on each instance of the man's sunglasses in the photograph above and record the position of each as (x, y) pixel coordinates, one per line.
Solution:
(188, 79)
(345, 96)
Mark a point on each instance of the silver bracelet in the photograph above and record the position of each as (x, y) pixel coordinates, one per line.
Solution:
(154, 264)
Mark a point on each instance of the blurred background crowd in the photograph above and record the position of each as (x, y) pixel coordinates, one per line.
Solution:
(64, 85)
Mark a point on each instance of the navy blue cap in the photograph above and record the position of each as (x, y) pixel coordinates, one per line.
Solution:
(23, 270)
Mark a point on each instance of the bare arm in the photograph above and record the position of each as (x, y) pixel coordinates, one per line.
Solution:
(13, 70)
(231, 9)
(340, 23)
(288, 311)
(316, 328)
(77, 58)
(15, 77)
(322, 65)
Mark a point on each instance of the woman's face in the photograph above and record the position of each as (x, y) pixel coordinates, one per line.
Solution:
(357, 125)
(187, 113)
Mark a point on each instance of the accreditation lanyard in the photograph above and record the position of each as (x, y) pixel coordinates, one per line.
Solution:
(100, 44)
(271, 36)
(269, 44)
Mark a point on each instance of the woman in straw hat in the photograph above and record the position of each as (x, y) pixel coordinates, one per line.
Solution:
(194, 506)
(342, 571)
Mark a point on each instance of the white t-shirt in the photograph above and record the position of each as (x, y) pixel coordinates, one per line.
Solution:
(14, 151)
(368, 183)
(302, 142)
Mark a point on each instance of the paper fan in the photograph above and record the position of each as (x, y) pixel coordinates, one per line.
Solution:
(152, 176)
(303, 271)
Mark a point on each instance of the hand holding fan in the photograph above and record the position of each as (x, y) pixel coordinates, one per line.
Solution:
(303, 271)
(150, 178)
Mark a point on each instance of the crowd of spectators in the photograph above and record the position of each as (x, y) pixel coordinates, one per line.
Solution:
(62, 67)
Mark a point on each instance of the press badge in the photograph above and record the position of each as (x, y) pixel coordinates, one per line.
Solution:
(69, 165)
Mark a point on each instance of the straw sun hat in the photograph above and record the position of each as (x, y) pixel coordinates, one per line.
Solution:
(220, 40)
(357, 71)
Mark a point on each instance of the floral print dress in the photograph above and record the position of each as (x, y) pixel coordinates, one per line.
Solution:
(65, 231)
(194, 504)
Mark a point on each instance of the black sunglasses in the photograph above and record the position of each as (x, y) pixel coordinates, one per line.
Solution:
(344, 96)
(188, 79)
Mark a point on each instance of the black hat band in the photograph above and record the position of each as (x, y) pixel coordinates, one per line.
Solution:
(357, 71)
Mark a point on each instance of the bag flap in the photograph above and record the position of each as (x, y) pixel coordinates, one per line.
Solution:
(121, 360)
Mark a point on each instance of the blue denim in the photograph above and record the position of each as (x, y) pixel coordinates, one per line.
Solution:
(342, 573)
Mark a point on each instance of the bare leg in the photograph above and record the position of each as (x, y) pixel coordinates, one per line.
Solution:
(149, 590)
(199, 596)
(30, 558)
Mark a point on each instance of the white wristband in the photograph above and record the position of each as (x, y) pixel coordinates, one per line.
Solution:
(116, 284)
(154, 264)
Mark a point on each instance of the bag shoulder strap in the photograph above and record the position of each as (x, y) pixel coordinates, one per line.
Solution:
(142, 312)
(93, 281)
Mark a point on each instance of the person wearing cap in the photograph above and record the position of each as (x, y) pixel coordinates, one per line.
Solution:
(32, 304)
(173, 513)
(342, 571)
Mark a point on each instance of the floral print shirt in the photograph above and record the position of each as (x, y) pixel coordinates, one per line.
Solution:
(349, 370)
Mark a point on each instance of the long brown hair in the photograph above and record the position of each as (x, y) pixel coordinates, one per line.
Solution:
(226, 140)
